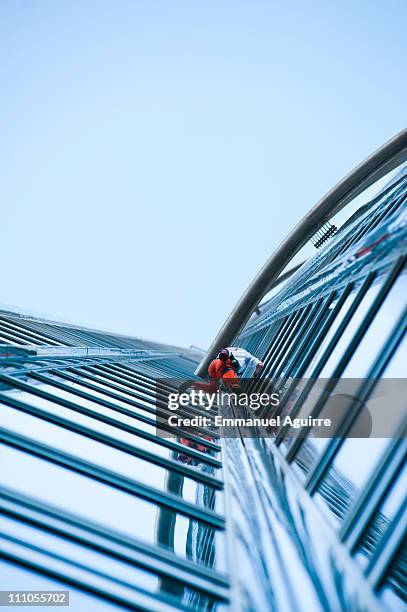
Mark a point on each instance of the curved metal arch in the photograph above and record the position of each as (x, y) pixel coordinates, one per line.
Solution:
(389, 156)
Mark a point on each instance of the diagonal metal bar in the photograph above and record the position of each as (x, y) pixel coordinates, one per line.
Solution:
(38, 391)
(120, 409)
(112, 442)
(81, 576)
(110, 478)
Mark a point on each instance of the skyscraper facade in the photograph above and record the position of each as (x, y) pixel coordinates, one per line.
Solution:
(94, 501)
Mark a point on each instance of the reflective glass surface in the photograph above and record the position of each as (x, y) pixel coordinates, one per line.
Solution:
(357, 459)
(105, 505)
(135, 468)
(151, 446)
(79, 559)
(330, 333)
(393, 591)
(351, 328)
(378, 332)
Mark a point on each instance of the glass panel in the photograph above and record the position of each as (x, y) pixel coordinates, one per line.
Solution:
(282, 333)
(350, 330)
(310, 452)
(76, 553)
(150, 412)
(90, 422)
(288, 341)
(310, 371)
(349, 473)
(357, 458)
(306, 354)
(120, 390)
(109, 458)
(4, 340)
(97, 502)
(378, 332)
(292, 342)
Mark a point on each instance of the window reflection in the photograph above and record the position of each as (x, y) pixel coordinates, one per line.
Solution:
(185, 457)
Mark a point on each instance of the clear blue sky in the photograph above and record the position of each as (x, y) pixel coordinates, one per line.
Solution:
(153, 153)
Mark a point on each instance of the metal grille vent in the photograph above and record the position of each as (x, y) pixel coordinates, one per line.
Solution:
(323, 234)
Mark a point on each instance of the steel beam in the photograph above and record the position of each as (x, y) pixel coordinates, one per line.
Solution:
(382, 161)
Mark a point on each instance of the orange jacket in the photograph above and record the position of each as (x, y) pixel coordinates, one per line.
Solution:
(223, 370)
(219, 370)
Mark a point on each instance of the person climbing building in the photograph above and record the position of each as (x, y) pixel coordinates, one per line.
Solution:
(244, 363)
(230, 364)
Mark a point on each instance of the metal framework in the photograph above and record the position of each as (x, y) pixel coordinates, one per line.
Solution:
(342, 314)
(64, 389)
(96, 497)
(388, 157)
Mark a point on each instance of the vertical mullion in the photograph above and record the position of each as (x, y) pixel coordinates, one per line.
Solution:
(281, 340)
